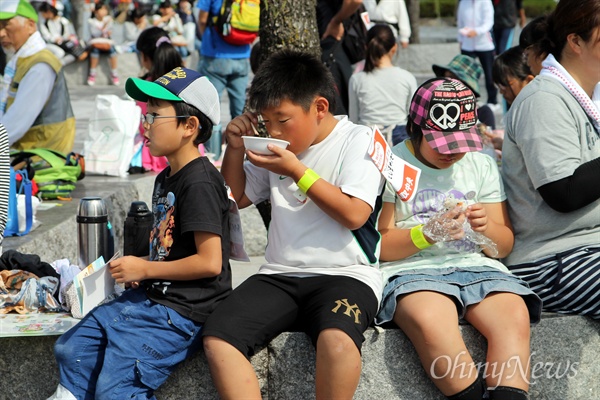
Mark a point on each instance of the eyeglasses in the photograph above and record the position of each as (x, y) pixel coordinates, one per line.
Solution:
(149, 118)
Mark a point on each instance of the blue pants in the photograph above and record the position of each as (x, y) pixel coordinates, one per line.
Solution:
(230, 74)
(124, 349)
(486, 58)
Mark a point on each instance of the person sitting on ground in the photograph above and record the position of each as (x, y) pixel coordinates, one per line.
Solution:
(100, 41)
(529, 40)
(170, 21)
(468, 71)
(35, 107)
(187, 274)
(511, 74)
(438, 250)
(158, 56)
(380, 95)
(551, 165)
(136, 22)
(60, 35)
(321, 274)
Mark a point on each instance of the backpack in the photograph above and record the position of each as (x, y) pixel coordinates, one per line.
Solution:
(55, 173)
(238, 21)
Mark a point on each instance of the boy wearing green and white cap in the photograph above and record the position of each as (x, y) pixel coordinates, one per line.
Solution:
(128, 347)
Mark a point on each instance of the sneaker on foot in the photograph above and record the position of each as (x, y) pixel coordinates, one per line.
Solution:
(114, 79)
(91, 80)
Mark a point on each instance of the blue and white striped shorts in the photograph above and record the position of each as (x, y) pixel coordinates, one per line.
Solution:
(568, 282)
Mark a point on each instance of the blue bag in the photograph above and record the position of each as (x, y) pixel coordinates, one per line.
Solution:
(12, 224)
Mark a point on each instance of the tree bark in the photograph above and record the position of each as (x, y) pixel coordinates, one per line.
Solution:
(288, 24)
(414, 15)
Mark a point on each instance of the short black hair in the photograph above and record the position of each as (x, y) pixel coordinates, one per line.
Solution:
(182, 108)
(510, 63)
(292, 75)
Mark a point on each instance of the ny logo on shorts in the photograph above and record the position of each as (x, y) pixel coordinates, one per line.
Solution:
(349, 309)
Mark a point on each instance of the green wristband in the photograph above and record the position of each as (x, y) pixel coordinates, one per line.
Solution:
(307, 180)
(417, 237)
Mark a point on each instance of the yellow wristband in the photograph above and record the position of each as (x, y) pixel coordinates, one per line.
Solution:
(417, 237)
(307, 180)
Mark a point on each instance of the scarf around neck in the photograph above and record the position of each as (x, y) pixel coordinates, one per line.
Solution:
(552, 68)
(34, 44)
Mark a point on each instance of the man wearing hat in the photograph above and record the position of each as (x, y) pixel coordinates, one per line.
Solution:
(35, 106)
(468, 71)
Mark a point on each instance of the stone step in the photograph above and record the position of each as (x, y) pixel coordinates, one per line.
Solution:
(564, 365)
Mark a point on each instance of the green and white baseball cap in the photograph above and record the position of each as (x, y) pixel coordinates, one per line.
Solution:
(180, 84)
(12, 8)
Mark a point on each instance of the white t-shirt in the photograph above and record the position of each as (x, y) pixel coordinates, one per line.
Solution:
(478, 15)
(473, 179)
(381, 96)
(302, 239)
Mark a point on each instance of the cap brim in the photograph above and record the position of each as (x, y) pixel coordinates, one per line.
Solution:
(438, 70)
(141, 90)
(454, 142)
(7, 15)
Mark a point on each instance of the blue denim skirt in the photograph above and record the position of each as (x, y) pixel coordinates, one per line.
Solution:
(466, 286)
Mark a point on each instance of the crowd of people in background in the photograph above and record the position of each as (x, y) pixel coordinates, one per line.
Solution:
(491, 240)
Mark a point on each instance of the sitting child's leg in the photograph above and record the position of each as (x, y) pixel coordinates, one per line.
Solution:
(337, 311)
(503, 318)
(254, 313)
(114, 75)
(338, 365)
(232, 373)
(94, 60)
(79, 353)
(430, 320)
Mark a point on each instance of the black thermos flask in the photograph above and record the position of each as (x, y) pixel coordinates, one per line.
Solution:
(136, 233)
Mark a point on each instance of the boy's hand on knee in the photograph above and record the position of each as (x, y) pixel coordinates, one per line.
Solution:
(238, 127)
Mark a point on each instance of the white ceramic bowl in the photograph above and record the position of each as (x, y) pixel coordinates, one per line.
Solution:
(258, 144)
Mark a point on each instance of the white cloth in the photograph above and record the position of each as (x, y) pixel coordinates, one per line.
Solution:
(552, 68)
(34, 44)
(302, 239)
(392, 12)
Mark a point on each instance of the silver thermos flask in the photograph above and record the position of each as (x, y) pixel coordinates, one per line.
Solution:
(94, 234)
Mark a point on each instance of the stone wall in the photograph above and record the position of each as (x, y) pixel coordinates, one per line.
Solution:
(564, 366)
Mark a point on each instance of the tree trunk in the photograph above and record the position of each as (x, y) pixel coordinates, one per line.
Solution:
(414, 15)
(288, 24)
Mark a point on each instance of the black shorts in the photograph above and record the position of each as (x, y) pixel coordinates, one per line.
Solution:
(263, 306)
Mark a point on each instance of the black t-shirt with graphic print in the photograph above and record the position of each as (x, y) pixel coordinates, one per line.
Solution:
(194, 199)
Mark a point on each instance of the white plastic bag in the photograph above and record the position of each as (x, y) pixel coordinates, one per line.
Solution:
(109, 147)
